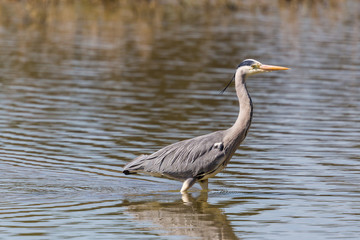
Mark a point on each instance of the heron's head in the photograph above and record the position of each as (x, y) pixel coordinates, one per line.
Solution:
(250, 66)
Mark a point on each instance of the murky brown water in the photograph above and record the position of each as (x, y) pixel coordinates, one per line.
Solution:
(86, 88)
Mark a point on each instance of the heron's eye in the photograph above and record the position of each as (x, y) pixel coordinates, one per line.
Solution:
(255, 66)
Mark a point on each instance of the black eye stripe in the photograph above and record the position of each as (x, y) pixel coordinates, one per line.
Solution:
(246, 63)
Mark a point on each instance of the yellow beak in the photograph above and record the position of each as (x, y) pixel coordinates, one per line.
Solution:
(272, 68)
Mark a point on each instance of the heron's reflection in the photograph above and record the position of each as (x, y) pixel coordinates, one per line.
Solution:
(188, 199)
(192, 216)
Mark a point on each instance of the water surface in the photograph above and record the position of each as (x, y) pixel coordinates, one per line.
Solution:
(86, 88)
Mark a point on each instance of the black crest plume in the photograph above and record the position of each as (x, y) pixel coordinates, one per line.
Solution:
(232, 79)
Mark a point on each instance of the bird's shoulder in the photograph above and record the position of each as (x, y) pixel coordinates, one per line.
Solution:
(197, 144)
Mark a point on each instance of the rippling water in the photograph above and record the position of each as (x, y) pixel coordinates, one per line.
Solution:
(85, 89)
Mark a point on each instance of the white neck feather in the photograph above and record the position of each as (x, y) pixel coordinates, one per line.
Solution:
(238, 131)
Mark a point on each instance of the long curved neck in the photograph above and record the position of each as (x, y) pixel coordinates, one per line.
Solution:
(238, 131)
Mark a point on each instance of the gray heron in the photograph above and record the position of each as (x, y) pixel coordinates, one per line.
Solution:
(198, 159)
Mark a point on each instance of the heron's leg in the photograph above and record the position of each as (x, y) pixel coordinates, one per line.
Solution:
(204, 184)
(186, 197)
(187, 184)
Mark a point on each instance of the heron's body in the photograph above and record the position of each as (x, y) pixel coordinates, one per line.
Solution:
(202, 157)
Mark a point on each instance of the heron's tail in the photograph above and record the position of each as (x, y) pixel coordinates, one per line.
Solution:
(135, 165)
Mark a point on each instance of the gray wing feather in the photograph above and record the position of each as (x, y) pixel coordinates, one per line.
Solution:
(135, 165)
(189, 158)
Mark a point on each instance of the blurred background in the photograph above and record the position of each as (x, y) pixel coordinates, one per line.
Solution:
(86, 86)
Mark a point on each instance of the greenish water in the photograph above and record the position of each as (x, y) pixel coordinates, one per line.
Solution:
(86, 88)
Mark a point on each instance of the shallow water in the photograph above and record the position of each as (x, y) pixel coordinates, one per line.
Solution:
(86, 88)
